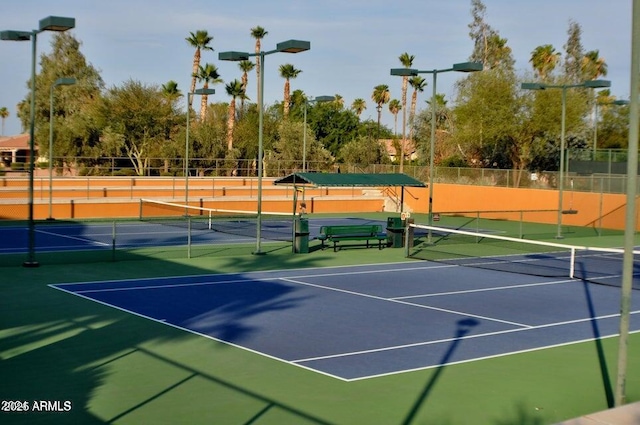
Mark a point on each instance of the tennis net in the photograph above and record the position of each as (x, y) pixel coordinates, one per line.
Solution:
(274, 225)
(494, 251)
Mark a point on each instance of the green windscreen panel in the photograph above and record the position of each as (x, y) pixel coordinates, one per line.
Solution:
(350, 180)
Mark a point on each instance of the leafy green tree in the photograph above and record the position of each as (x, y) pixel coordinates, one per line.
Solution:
(488, 47)
(487, 117)
(574, 53)
(76, 136)
(136, 117)
(363, 151)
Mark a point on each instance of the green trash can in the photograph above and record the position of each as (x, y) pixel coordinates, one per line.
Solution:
(395, 232)
(301, 237)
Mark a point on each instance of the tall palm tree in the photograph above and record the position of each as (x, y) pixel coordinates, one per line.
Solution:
(338, 100)
(593, 66)
(358, 106)
(418, 84)
(544, 60)
(258, 33)
(395, 107)
(246, 67)
(200, 41)
(406, 60)
(171, 90)
(380, 96)
(235, 89)
(288, 72)
(4, 114)
(207, 74)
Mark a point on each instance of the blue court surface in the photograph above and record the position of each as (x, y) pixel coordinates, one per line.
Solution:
(360, 322)
(74, 236)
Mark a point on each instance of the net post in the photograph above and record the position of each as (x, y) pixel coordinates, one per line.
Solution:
(113, 242)
(573, 263)
(140, 210)
(210, 224)
(188, 236)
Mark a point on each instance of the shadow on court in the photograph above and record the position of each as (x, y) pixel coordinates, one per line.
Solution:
(464, 326)
(597, 340)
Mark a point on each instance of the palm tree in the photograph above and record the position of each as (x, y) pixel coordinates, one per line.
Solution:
(235, 89)
(418, 84)
(358, 106)
(207, 74)
(544, 60)
(288, 71)
(593, 66)
(406, 60)
(394, 107)
(171, 90)
(246, 67)
(258, 33)
(380, 96)
(338, 100)
(200, 41)
(4, 114)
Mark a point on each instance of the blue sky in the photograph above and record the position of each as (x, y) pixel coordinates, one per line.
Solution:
(354, 43)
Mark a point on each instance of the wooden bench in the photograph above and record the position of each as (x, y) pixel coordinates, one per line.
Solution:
(358, 232)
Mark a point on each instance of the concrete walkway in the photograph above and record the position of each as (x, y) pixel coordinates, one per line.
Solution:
(628, 414)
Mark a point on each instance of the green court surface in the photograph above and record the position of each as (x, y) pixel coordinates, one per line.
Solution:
(117, 368)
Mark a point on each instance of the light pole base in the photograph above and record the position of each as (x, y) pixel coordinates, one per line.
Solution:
(31, 264)
(50, 219)
(259, 253)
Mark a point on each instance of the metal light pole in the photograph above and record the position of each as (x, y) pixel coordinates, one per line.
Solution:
(289, 46)
(186, 147)
(304, 134)
(409, 72)
(51, 23)
(59, 82)
(593, 84)
(630, 218)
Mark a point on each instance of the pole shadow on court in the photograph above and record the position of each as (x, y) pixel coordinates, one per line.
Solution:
(597, 339)
(464, 326)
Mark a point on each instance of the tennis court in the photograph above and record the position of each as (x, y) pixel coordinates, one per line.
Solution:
(461, 329)
(360, 322)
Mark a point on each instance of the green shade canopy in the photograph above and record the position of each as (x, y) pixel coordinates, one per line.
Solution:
(349, 180)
